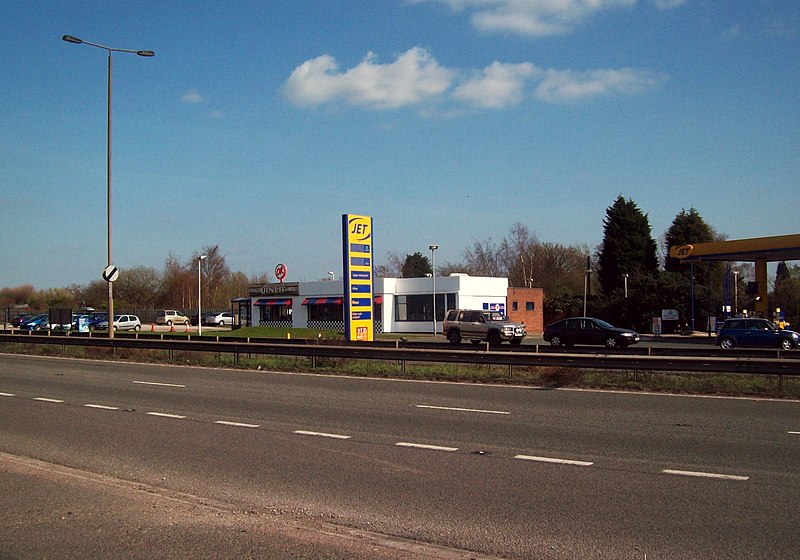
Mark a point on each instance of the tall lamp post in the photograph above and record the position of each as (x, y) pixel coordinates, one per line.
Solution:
(71, 39)
(433, 277)
(735, 292)
(586, 283)
(200, 297)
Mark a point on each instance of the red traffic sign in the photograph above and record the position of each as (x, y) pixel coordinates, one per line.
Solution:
(280, 272)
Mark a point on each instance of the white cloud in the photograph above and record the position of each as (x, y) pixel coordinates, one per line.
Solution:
(568, 85)
(496, 86)
(192, 96)
(535, 18)
(413, 77)
(667, 4)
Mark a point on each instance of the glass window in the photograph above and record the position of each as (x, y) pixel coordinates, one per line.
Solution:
(528, 306)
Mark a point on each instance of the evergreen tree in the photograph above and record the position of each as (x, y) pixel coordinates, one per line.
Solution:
(628, 247)
(416, 266)
(687, 228)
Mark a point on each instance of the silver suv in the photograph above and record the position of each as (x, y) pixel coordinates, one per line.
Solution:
(477, 326)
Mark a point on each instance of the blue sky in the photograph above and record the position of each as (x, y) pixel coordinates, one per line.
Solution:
(258, 124)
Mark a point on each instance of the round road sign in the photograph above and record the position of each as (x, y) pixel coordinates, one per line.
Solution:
(280, 272)
(110, 273)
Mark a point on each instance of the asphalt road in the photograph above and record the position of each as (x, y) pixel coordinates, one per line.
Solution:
(108, 459)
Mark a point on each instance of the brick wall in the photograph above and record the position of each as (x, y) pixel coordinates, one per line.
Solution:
(526, 305)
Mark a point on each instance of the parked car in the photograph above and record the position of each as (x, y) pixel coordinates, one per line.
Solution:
(122, 323)
(219, 319)
(38, 323)
(17, 321)
(96, 318)
(172, 317)
(588, 330)
(758, 333)
(481, 325)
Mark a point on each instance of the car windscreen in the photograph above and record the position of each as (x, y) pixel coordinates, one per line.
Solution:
(604, 325)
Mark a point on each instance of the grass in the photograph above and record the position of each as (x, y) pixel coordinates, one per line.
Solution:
(549, 377)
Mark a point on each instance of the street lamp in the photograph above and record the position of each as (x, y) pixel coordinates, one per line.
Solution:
(625, 278)
(586, 283)
(433, 277)
(332, 275)
(71, 39)
(735, 292)
(199, 297)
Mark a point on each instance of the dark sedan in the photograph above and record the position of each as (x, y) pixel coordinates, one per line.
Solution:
(588, 330)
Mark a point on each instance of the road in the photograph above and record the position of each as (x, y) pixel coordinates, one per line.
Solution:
(147, 461)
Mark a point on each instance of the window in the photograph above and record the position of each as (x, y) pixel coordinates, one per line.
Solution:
(514, 306)
(528, 306)
(419, 307)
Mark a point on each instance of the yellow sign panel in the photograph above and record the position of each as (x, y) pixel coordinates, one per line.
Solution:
(681, 252)
(358, 274)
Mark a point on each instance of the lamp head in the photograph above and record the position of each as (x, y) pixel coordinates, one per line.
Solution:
(71, 39)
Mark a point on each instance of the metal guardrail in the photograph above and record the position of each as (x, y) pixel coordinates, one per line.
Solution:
(466, 355)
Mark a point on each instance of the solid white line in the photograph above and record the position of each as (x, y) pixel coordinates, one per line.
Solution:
(462, 409)
(13, 395)
(321, 434)
(101, 406)
(237, 424)
(165, 415)
(424, 446)
(159, 384)
(706, 475)
(553, 460)
(44, 399)
(793, 433)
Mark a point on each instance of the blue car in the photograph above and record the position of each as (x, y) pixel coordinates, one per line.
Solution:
(37, 323)
(755, 333)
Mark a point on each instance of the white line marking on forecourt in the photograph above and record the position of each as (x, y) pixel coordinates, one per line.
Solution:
(554, 460)
(159, 384)
(236, 424)
(706, 475)
(321, 434)
(101, 406)
(13, 395)
(462, 409)
(165, 415)
(793, 433)
(424, 446)
(45, 399)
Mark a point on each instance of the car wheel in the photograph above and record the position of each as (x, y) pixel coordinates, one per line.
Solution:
(222, 323)
(786, 344)
(494, 338)
(516, 341)
(116, 328)
(137, 327)
(169, 323)
(555, 340)
(727, 344)
(611, 342)
(186, 323)
(454, 337)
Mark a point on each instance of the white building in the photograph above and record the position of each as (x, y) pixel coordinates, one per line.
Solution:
(400, 305)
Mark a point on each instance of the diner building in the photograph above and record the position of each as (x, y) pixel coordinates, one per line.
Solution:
(400, 305)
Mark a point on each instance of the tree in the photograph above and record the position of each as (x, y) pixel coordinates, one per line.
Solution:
(485, 259)
(787, 292)
(392, 269)
(687, 228)
(214, 272)
(416, 266)
(136, 287)
(628, 249)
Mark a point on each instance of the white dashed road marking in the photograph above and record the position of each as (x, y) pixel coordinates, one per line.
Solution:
(425, 446)
(45, 399)
(706, 475)
(7, 395)
(554, 460)
(462, 409)
(165, 415)
(321, 434)
(237, 424)
(159, 384)
(101, 406)
(795, 433)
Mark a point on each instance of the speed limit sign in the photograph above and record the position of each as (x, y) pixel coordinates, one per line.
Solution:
(280, 272)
